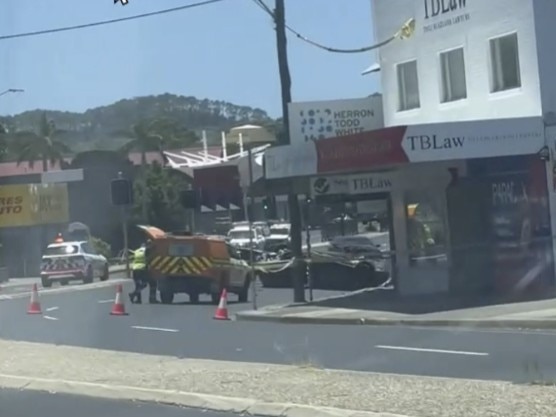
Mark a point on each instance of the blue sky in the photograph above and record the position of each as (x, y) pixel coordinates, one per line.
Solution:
(223, 51)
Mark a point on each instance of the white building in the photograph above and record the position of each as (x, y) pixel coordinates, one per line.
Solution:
(467, 60)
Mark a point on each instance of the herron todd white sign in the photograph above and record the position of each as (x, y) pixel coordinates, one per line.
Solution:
(314, 120)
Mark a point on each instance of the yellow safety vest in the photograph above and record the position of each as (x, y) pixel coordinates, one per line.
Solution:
(139, 261)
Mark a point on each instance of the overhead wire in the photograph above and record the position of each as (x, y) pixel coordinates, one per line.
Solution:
(110, 21)
(405, 32)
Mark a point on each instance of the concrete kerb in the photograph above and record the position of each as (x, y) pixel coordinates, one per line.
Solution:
(275, 307)
(116, 268)
(465, 323)
(186, 399)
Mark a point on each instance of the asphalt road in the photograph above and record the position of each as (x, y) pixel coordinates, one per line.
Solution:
(81, 318)
(15, 403)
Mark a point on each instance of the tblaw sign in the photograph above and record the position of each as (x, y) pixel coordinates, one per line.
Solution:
(478, 139)
(440, 14)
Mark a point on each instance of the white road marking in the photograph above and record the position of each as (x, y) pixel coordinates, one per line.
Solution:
(52, 309)
(456, 330)
(156, 329)
(415, 349)
(105, 301)
(51, 318)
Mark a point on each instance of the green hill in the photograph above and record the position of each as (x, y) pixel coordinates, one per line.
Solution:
(97, 128)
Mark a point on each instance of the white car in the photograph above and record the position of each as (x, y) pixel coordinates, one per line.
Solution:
(72, 261)
(239, 237)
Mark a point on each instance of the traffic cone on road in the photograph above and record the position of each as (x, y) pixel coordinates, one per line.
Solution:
(34, 304)
(118, 309)
(222, 310)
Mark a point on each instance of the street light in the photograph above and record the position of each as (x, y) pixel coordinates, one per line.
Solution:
(12, 90)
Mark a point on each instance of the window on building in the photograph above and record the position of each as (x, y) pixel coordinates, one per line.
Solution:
(408, 86)
(452, 68)
(504, 56)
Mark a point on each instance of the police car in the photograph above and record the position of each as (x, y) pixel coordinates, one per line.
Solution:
(72, 261)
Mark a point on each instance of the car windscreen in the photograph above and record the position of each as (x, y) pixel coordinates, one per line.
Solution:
(240, 234)
(279, 231)
(61, 250)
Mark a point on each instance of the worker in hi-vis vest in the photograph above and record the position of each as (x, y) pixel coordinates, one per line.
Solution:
(139, 269)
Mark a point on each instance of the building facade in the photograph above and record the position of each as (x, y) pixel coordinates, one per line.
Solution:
(466, 60)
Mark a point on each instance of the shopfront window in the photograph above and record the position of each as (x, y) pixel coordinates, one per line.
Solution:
(426, 227)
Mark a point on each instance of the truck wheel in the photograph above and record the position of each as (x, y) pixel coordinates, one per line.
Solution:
(45, 282)
(243, 295)
(166, 297)
(194, 298)
(88, 276)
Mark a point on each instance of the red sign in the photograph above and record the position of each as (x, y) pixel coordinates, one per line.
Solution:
(361, 151)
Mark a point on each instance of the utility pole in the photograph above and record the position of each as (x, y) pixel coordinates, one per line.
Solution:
(298, 270)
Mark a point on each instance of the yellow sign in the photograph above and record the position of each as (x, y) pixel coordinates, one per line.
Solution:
(33, 204)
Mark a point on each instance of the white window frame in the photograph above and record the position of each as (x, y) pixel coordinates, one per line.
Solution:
(446, 93)
(496, 68)
(402, 102)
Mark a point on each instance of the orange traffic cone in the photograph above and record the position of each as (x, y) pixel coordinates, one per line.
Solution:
(118, 309)
(34, 304)
(222, 310)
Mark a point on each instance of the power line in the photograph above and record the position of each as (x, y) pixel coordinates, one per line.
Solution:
(108, 22)
(405, 31)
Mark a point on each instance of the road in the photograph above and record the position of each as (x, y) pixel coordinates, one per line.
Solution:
(79, 316)
(15, 403)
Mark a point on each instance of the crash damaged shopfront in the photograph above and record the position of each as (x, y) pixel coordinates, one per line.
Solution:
(463, 207)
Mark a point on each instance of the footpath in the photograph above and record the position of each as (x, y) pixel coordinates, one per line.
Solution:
(262, 389)
(21, 287)
(382, 307)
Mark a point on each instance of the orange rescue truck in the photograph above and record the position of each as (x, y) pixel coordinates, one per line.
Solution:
(181, 262)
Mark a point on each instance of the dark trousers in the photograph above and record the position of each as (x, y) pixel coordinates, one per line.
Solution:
(152, 289)
(140, 281)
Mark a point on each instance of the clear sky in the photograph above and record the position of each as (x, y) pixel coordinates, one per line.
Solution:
(223, 51)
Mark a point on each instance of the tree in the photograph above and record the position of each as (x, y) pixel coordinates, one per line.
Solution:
(3, 141)
(161, 191)
(155, 135)
(42, 145)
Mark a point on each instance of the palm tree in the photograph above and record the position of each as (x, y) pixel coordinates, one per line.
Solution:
(156, 135)
(43, 145)
(3, 141)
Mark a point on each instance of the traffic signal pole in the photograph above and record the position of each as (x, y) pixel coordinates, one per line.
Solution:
(298, 270)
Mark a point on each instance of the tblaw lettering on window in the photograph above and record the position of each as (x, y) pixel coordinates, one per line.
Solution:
(314, 120)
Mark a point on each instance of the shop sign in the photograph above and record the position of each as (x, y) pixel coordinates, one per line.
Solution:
(316, 120)
(473, 139)
(290, 161)
(361, 151)
(375, 182)
(406, 144)
(33, 204)
(441, 14)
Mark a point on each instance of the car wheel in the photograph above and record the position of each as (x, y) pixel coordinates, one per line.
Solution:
(243, 295)
(45, 282)
(166, 297)
(89, 277)
(106, 273)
